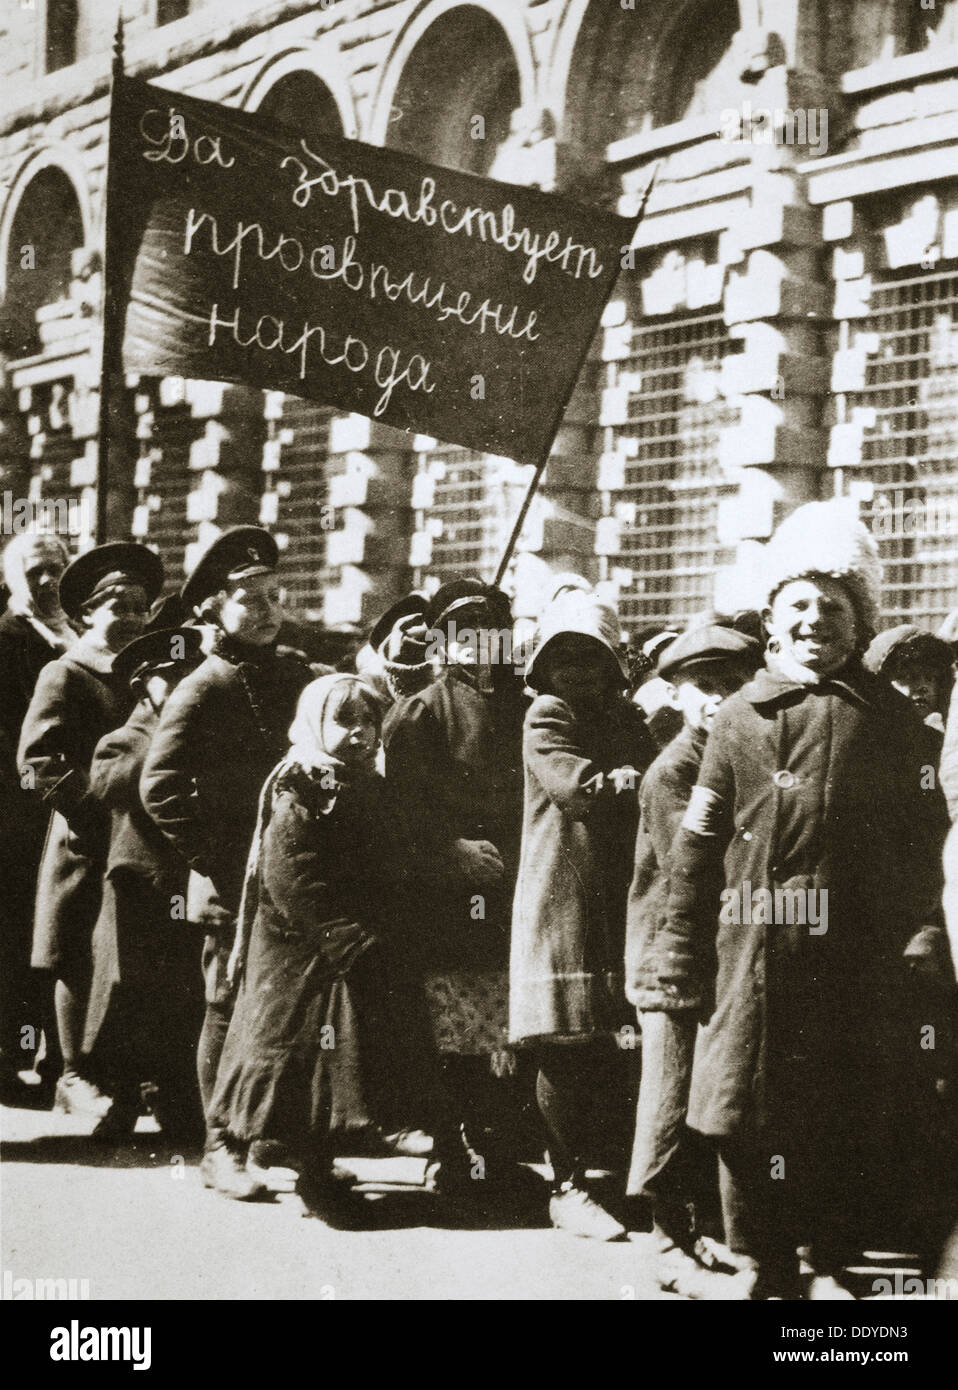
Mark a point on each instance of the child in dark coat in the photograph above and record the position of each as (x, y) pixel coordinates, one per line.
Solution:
(585, 747)
(145, 1012)
(106, 591)
(311, 1036)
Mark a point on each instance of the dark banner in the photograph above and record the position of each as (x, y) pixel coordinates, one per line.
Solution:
(436, 301)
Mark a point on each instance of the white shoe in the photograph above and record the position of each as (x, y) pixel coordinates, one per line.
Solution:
(679, 1272)
(77, 1096)
(573, 1210)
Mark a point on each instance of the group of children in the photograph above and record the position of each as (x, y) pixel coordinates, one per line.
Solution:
(405, 872)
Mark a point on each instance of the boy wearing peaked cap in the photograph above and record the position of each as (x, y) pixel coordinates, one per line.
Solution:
(670, 1165)
(144, 1011)
(219, 736)
(394, 658)
(106, 592)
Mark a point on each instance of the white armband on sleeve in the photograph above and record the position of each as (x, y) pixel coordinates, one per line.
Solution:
(703, 812)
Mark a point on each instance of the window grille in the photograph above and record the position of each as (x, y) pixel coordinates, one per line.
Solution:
(54, 461)
(664, 548)
(475, 498)
(907, 410)
(163, 480)
(301, 479)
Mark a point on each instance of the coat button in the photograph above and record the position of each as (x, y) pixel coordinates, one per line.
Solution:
(784, 778)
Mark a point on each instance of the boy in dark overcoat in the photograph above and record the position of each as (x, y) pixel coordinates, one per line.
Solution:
(142, 1020)
(107, 592)
(221, 733)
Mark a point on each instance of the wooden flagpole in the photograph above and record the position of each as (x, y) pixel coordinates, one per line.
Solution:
(111, 361)
(541, 466)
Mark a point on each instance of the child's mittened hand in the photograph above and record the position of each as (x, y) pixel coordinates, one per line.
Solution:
(624, 779)
(478, 861)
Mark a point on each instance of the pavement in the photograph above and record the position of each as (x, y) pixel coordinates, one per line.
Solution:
(135, 1222)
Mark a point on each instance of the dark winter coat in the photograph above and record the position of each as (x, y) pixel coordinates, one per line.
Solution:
(453, 755)
(143, 873)
(823, 788)
(312, 1044)
(578, 835)
(23, 817)
(23, 654)
(663, 798)
(222, 731)
(77, 700)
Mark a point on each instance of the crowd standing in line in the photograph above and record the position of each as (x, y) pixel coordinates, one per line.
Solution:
(680, 909)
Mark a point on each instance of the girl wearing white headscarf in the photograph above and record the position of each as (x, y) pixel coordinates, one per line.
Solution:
(301, 1057)
(32, 565)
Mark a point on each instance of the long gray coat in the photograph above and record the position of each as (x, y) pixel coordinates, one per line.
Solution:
(568, 925)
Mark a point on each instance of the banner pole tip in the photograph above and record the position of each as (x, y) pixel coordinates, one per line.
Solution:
(118, 45)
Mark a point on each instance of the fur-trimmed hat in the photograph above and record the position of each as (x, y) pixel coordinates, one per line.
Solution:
(827, 539)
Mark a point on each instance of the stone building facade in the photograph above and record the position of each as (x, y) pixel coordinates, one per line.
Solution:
(785, 325)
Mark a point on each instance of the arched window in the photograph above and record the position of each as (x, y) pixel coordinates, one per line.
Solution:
(301, 100)
(633, 69)
(47, 227)
(877, 30)
(457, 92)
(705, 68)
(61, 34)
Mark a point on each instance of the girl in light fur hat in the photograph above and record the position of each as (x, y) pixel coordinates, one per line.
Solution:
(812, 795)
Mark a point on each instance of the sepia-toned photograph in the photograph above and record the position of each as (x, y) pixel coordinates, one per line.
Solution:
(478, 638)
